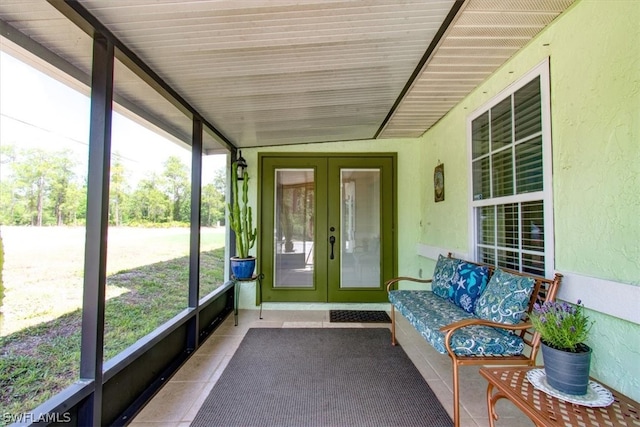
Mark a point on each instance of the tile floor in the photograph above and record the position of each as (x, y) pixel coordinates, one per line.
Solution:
(177, 403)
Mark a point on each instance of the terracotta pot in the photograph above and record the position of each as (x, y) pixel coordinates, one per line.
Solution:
(567, 372)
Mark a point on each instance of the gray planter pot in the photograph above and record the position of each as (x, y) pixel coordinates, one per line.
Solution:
(567, 372)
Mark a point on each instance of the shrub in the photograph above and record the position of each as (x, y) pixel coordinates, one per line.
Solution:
(561, 325)
(1, 267)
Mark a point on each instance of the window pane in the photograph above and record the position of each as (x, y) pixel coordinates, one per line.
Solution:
(529, 166)
(502, 164)
(510, 235)
(508, 259)
(486, 255)
(507, 219)
(149, 215)
(501, 125)
(486, 225)
(294, 208)
(480, 135)
(533, 263)
(360, 225)
(481, 181)
(212, 231)
(533, 226)
(528, 117)
(44, 130)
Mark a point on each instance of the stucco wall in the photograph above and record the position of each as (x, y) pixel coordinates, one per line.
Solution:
(594, 51)
(597, 141)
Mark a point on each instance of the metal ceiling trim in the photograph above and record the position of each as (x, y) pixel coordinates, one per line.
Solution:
(14, 35)
(80, 16)
(82, 80)
(455, 11)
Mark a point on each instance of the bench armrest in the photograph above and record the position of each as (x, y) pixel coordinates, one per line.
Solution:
(451, 328)
(481, 322)
(390, 283)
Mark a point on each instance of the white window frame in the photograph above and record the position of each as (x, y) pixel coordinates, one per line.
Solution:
(546, 195)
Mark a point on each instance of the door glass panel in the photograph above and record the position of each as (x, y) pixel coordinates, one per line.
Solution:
(294, 228)
(360, 228)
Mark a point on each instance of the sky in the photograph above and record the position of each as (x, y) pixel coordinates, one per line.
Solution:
(37, 111)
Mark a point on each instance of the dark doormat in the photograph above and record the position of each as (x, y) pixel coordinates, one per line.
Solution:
(358, 316)
(325, 377)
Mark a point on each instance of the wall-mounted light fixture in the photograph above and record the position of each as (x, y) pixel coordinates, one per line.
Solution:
(242, 166)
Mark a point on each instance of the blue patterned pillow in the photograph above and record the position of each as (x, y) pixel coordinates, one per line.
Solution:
(443, 275)
(505, 299)
(468, 283)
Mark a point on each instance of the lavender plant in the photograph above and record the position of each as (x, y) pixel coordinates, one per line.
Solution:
(561, 326)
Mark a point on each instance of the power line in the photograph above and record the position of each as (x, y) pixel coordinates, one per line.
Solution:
(77, 141)
(45, 129)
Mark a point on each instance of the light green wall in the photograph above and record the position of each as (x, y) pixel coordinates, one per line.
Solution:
(597, 140)
(595, 94)
(594, 51)
(409, 173)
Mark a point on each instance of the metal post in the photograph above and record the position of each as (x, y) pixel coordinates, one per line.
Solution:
(95, 263)
(194, 249)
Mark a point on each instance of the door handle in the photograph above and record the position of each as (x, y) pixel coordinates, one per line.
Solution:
(332, 240)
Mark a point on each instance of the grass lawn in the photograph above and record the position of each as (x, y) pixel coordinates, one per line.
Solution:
(147, 283)
(43, 269)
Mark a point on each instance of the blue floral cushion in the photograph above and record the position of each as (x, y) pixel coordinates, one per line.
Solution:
(428, 313)
(468, 283)
(443, 276)
(505, 299)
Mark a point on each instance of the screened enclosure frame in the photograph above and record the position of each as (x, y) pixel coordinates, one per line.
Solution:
(111, 392)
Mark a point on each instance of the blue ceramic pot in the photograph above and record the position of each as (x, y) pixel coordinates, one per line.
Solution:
(243, 268)
(567, 372)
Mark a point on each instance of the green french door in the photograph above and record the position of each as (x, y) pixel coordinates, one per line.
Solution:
(327, 227)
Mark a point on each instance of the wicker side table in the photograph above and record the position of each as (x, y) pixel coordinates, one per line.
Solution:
(545, 410)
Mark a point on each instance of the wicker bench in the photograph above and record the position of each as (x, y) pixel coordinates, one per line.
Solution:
(475, 313)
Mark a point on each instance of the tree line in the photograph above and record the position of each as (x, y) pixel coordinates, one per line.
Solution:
(42, 188)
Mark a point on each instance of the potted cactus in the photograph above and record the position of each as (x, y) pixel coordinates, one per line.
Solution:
(241, 222)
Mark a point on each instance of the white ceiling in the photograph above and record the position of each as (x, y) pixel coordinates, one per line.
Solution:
(272, 72)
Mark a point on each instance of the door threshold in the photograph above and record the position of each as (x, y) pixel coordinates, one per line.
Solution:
(325, 306)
